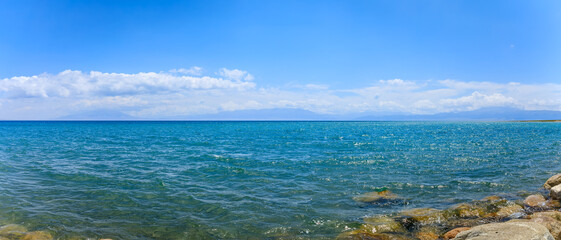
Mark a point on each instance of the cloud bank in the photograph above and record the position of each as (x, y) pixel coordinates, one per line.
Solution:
(186, 92)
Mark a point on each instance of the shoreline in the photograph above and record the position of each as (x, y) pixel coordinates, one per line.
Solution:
(491, 218)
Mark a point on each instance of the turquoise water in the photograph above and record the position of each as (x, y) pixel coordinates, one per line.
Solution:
(239, 180)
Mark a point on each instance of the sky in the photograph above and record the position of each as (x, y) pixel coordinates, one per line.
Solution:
(155, 59)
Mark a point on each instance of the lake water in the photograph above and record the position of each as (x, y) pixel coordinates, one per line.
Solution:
(240, 180)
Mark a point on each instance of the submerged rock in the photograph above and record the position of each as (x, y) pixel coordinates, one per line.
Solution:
(555, 192)
(493, 198)
(509, 211)
(552, 181)
(465, 210)
(37, 235)
(377, 197)
(452, 233)
(382, 224)
(12, 231)
(424, 216)
(506, 231)
(536, 200)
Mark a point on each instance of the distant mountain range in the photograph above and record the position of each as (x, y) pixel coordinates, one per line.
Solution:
(289, 114)
(99, 115)
(483, 114)
(280, 114)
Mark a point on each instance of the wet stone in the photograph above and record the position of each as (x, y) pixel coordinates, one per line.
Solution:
(555, 192)
(535, 201)
(553, 204)
(426, 236)
(452, 233)
(414, 219)
(493, 198)
(468, 211)
(12, 231)
(552, 181)
(428, 233)
(510, 210)
(37, 235)
(382, 224)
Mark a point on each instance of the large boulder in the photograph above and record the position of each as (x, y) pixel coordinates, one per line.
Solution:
(555, 192)
(550, 223)
(552, 181)
(549, 219)
(507, 231)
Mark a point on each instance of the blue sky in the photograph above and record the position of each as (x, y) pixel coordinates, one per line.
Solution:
(323, 56)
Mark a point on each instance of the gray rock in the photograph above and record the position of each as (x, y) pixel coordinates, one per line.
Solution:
(507, 231)
(555, 192)
(552, 181)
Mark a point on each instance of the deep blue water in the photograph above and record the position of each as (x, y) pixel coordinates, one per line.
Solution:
(238, 180)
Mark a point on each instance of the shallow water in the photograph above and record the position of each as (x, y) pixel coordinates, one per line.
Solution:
(238, 180)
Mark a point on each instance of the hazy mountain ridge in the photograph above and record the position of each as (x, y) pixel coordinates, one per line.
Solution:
(99, 115)
(483, 114)
(292, 114)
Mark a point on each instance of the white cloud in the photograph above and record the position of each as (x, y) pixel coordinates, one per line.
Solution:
(182, 92)
(76, 83)
(197, 71)
(477, 100)
(397, 82)
(235, 74)
(119, 101)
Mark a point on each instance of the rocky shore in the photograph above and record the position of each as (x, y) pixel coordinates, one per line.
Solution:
(537, 217)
